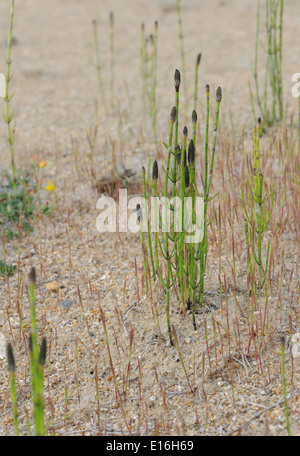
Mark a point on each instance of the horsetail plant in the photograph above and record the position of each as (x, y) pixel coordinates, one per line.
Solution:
(98, 63)
(198, 60)
(182, 52)
(144, 247)
(154, 82)
(148, 223)
(257, 220)
(286, 408)
(12, 377)
(185, 258)
(37, 361)
(273, 70)
(8, 115)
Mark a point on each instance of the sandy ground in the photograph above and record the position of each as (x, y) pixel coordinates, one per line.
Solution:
(56, 90)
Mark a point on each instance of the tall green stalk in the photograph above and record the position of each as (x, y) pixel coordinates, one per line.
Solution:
(8, 115)
(208, 173)
(37, 360)
(182, 52)
(148, 224)
(112, 58)
(257, 220)
(98, 64)
(154, 83)
(12, 380)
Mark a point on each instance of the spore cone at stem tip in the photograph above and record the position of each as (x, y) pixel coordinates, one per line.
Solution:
(177, 79)
(32, 276)
(219, 95)
(155, 170)
(194, 116)
(10, 358)
(43, 352)
(173, 114)
(198, 58)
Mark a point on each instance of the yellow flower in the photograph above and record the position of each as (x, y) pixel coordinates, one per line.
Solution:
(42, 164)
(50, 186)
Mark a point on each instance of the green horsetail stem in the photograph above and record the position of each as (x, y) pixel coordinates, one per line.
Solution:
(154, 83)
(198, 60)
(143, 64)
(207, 184)
(13, 392)
(148, 223)
(176, 149)
(192, 266)
(299, 124)
(182, 234)
(202, 245)
(177, 81)
(258, 220)
(154, 180)
(194, 123)
(270, 107)
(7, 114)
(36, 371)
(144, 248)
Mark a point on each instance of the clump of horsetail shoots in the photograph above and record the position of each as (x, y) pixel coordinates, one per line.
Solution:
(184, 252)
(257, 219)
(37, 361)
(273, 69)
(12, 377)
